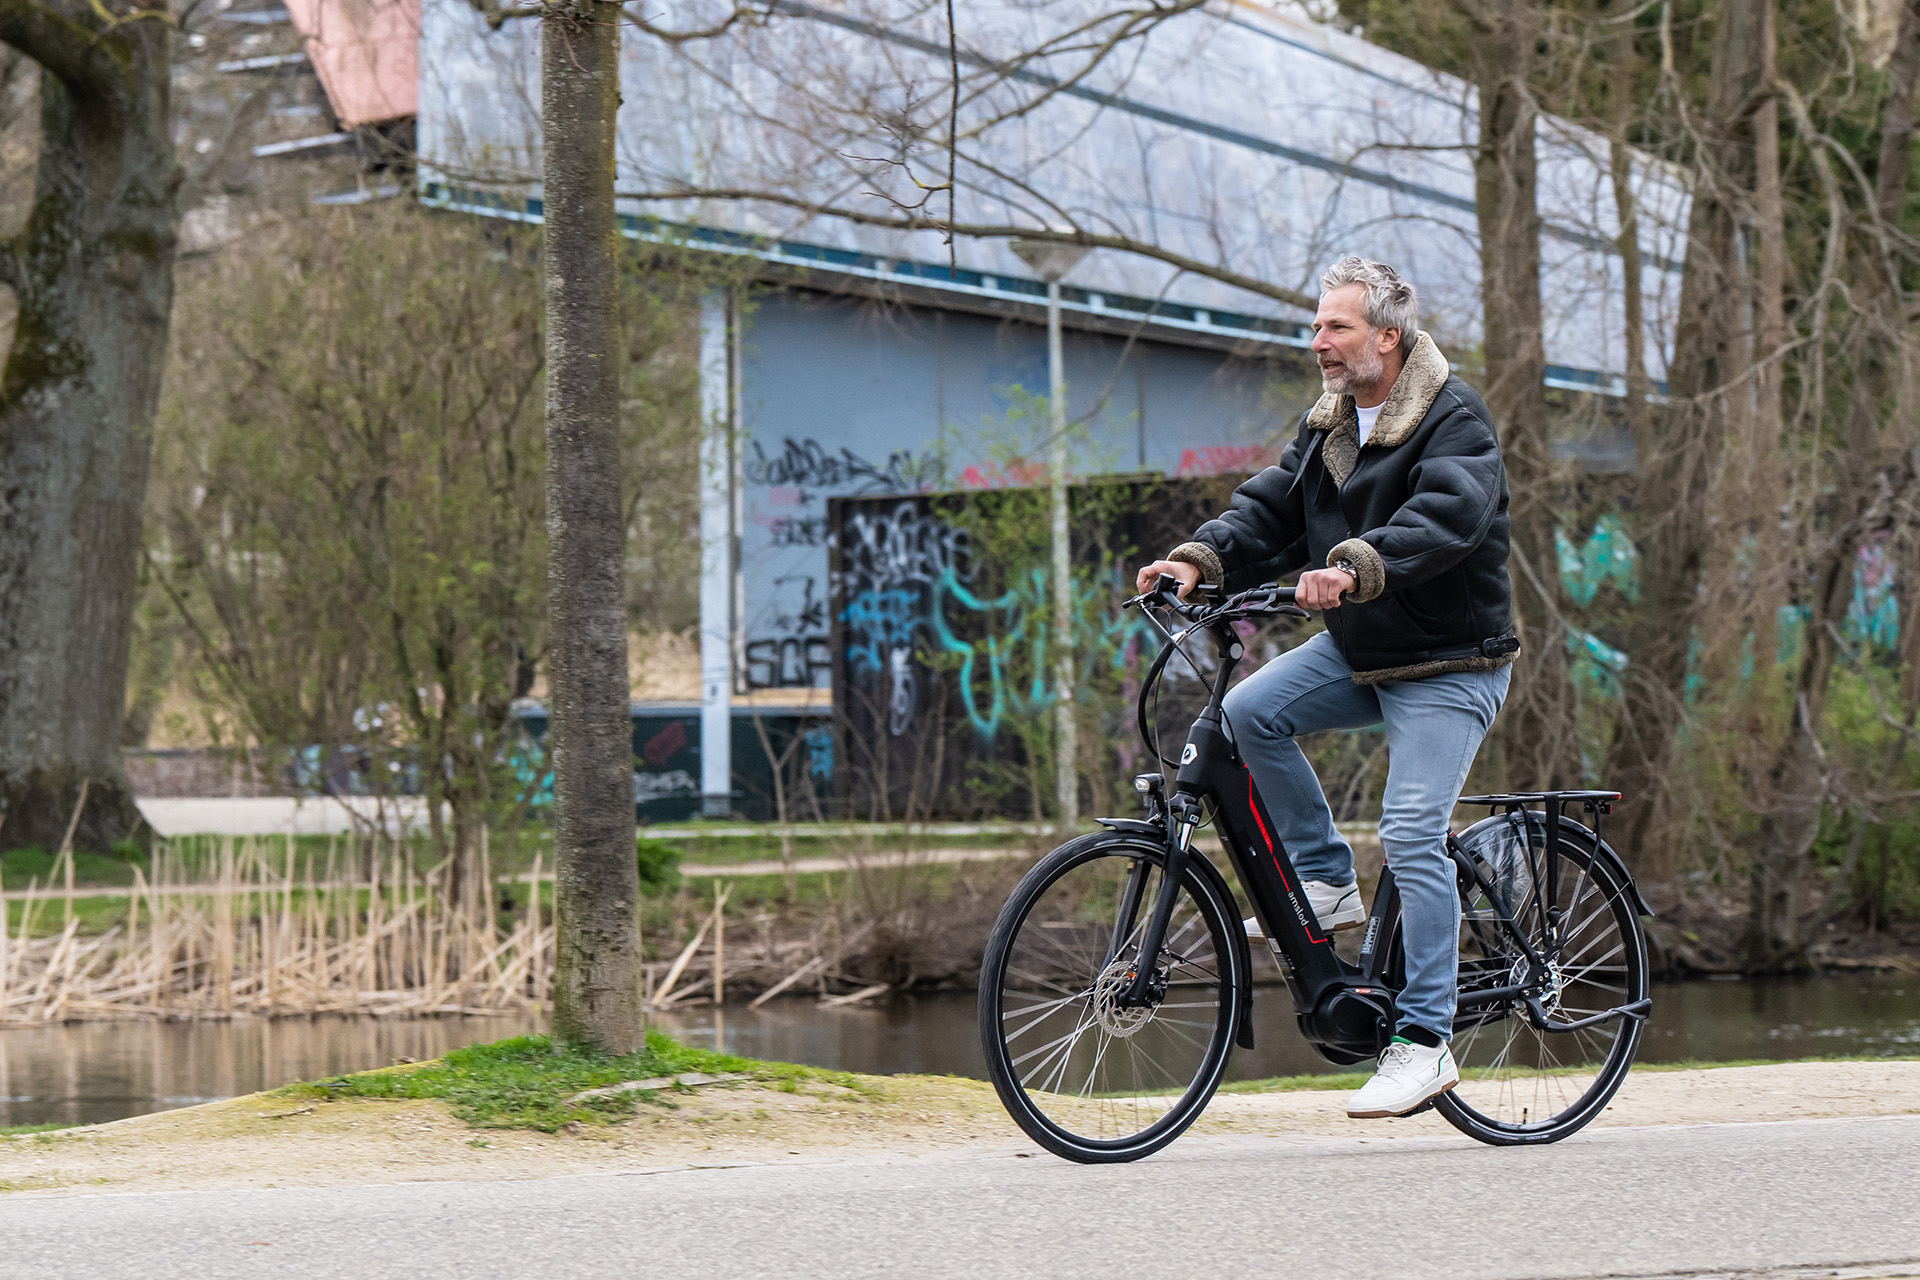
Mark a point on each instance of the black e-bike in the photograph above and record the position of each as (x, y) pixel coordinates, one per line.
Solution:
(1118, 977)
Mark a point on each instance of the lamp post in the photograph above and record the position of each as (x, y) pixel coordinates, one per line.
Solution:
(1051, 261)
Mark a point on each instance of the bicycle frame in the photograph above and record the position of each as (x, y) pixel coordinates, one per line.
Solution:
(1345, 1010)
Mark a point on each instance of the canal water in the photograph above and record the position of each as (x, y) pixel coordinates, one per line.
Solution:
(84, 1073)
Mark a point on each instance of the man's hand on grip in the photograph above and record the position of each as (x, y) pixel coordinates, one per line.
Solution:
(1321, 589)
(1188, 574)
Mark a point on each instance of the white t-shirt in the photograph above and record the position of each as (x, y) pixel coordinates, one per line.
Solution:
(1367, 418)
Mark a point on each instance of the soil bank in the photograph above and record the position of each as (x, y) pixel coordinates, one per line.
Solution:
(270, 1140)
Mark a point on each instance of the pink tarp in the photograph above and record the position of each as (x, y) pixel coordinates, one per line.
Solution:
(367, 54)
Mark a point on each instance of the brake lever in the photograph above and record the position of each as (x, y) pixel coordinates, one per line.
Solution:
(1261, 600)
(1184, 608)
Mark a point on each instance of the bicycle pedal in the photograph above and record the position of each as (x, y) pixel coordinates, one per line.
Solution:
(1425, 1106)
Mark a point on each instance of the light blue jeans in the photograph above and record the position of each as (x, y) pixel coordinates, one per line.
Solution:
(1434, 727)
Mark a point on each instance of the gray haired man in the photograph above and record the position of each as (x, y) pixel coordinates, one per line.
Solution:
(1393, 492)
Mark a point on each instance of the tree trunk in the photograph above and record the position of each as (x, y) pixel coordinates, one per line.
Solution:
(596, 998)
(1867, 468)
(1626, 208)
(93, 276)
(1707, 396)
(1538, 732)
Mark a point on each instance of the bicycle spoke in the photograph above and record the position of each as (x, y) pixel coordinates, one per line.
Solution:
(1516, 1077)
(1083, 1062)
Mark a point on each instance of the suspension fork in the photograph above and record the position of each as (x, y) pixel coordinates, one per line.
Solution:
(1129, 908)
(1184, 812)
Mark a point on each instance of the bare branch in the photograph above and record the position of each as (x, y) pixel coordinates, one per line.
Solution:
(62, 46)
(994, 231)
(739, 15)
(498, 17)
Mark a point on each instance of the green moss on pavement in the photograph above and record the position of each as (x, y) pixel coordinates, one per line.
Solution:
(532, 1082)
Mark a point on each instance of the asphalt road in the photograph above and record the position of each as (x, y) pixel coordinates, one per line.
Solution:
(1774, 1199)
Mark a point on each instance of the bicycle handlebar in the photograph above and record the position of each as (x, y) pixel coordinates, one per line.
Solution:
(1166, 593)
(1260, 600)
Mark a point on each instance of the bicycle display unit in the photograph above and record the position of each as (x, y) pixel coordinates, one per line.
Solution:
(1118, 977)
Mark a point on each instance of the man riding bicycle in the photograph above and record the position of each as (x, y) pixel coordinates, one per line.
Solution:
(1394, 483)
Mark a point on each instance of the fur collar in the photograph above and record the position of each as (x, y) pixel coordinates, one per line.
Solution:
(1414, 392)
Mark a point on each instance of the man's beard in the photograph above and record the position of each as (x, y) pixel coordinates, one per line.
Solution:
(1357, 376)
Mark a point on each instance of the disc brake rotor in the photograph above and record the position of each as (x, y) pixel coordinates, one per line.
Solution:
(1109, 989)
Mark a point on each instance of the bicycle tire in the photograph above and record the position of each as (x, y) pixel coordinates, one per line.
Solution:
(1530, 1090)
(1048, 921)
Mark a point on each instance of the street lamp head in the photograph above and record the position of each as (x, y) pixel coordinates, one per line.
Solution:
(1050, 259)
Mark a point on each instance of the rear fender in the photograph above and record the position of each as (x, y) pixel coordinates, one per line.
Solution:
(1580, 831)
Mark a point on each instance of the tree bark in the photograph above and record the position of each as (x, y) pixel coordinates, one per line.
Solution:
(1538, 733)
(92, 272)
(1868, 469)
(596, 880)
(1707, 395)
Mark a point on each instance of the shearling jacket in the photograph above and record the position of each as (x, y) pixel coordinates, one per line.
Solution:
(1419, 511)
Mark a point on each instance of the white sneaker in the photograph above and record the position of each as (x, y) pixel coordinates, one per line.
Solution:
(1336, 906)
(1408, 1075)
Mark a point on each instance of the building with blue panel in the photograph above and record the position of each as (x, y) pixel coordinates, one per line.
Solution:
(874, 357)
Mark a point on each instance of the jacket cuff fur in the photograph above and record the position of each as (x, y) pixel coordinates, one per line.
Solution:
(1369, 570)
(1202, 557)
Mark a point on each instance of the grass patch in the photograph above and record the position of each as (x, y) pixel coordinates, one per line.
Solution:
(719, 850)
(23, 1130)
(24, 865)
(531, 1082)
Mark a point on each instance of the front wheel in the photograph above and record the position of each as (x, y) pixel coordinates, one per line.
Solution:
(1084, 1075)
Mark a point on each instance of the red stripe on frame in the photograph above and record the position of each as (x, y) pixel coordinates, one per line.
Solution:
(1253, 807)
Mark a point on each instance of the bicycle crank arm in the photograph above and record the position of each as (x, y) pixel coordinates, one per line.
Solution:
(1638, 1010)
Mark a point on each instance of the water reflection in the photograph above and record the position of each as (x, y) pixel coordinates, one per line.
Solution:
(1869, 1014)
(89, 1072)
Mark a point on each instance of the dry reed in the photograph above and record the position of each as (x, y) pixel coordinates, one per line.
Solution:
(266, 937)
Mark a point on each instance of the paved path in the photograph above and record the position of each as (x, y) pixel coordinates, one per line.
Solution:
(325, 815)
(281, 815)
(1813, 1197)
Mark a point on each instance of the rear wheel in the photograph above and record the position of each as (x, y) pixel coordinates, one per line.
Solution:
(1085, 1076)
(1519, 1083)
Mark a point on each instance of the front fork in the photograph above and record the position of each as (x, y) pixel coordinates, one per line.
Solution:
(1183, 817)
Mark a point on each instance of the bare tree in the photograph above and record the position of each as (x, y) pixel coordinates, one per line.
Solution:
(1734, 147)
(1874, 489)
(1539, 734)
(92, 276)
(349, 526)
(597, 997)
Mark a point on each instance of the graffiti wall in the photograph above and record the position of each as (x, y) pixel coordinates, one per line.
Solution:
(847, 398)
(942, 612)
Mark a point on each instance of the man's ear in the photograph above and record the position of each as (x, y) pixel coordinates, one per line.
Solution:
(1390, 345)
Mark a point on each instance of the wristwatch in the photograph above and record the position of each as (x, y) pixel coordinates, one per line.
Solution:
(1346, 567)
